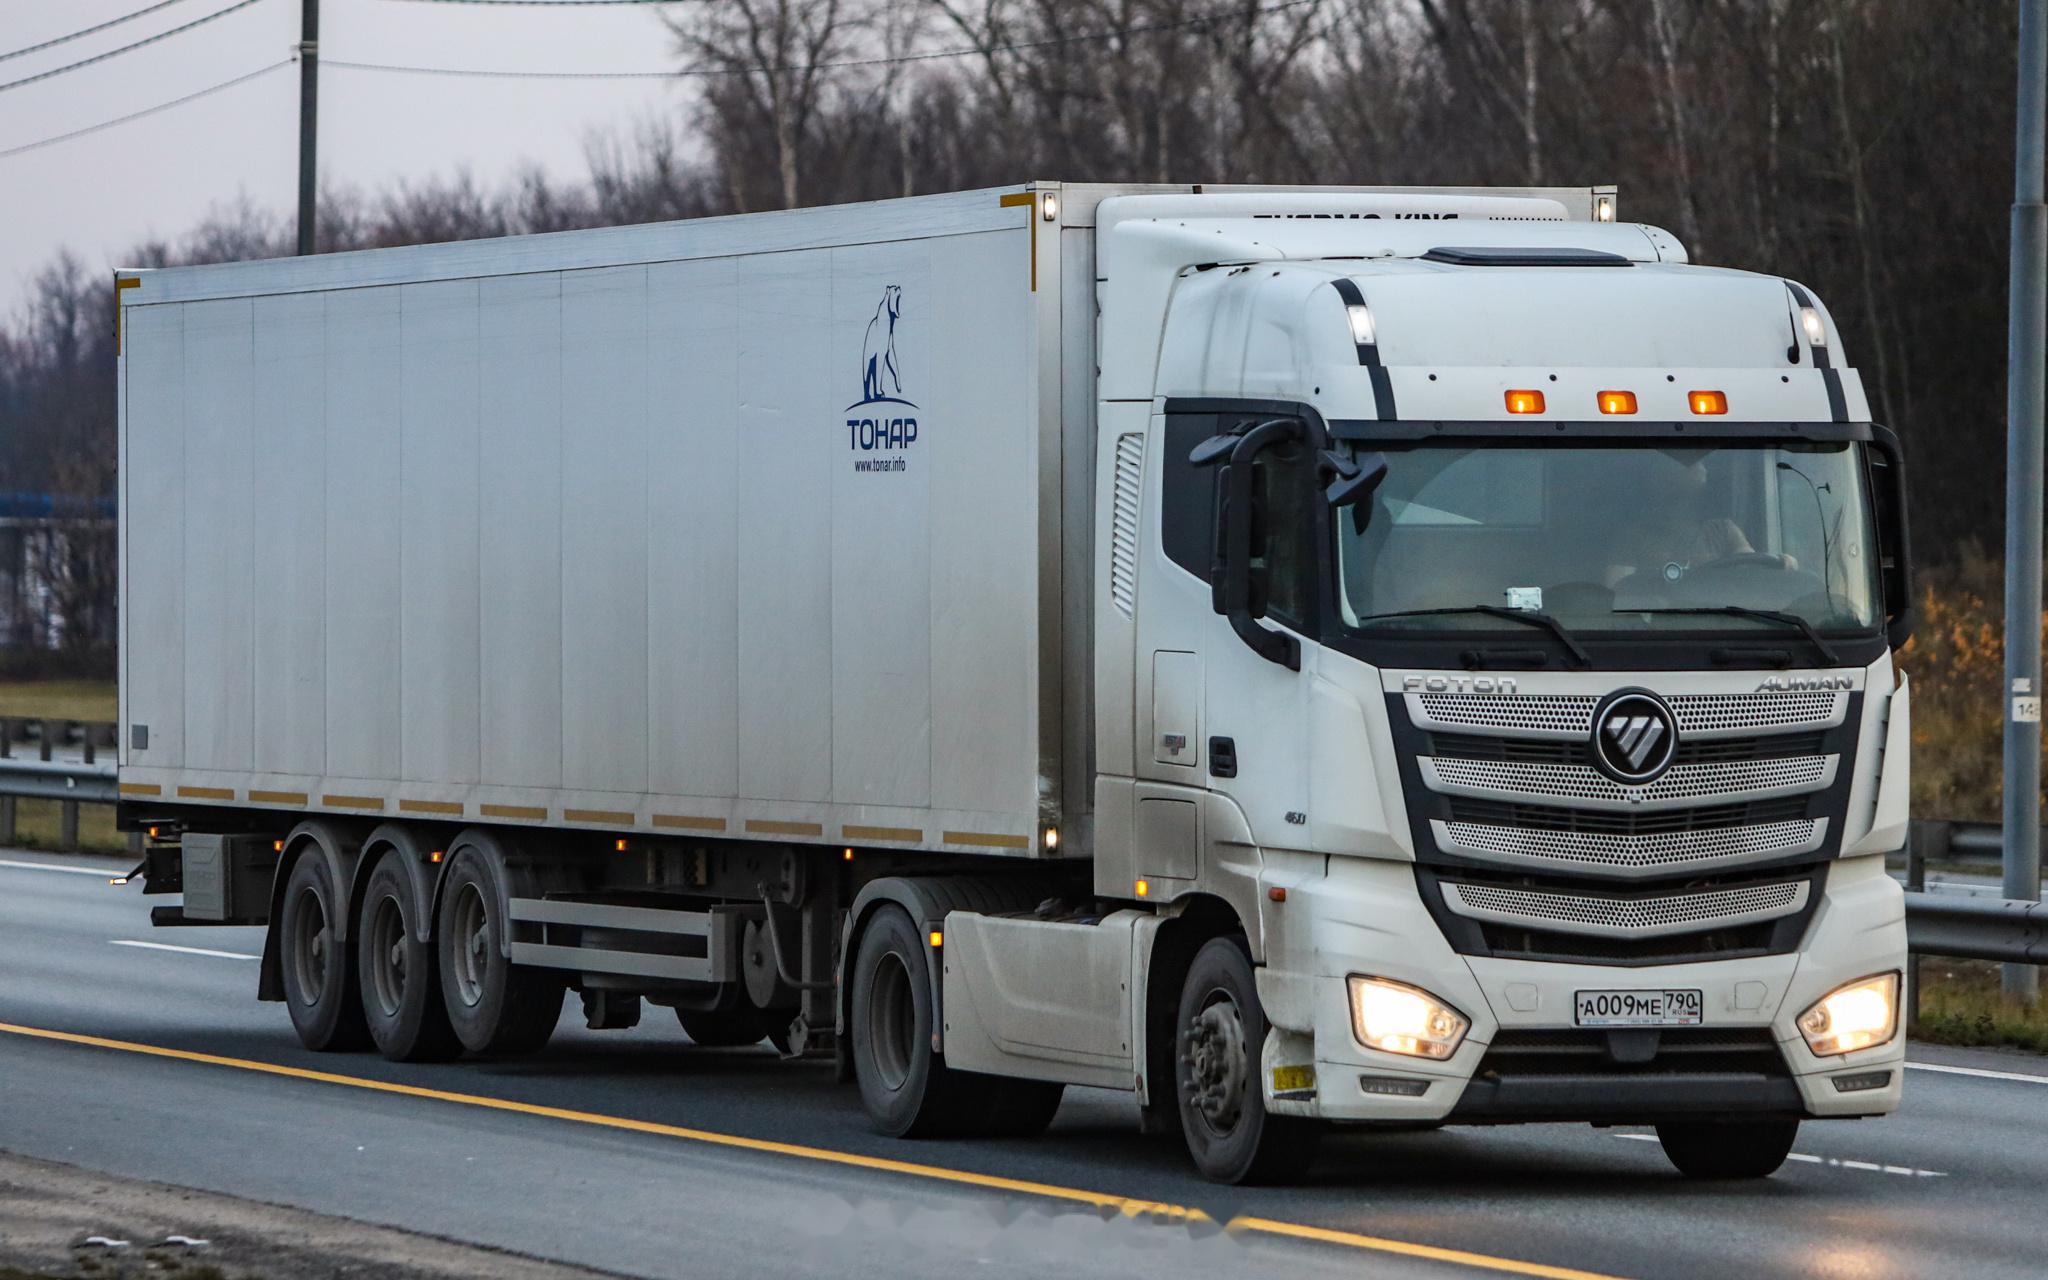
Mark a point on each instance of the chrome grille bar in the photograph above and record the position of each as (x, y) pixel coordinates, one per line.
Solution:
(1631, 855)
(1626, 917)
(1584, 787)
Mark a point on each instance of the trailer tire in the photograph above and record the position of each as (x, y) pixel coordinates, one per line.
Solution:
(495, 1007)
(725, 1028)
(318, 975)
(1219, 1031)
(907, 1087)
(1731, 1149)
(397, 972)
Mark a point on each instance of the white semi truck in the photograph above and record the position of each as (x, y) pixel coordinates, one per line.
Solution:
(1305, 657)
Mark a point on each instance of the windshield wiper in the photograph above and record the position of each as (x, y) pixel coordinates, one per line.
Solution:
(1532, 617)
(1767, 615)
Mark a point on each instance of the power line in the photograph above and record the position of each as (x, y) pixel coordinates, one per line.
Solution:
(86, 31)
(692, 72)
(126, 48)
(146, 111)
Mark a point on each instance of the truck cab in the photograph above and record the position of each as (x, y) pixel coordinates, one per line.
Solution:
(1504, 612)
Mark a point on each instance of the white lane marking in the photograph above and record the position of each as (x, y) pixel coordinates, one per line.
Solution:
(104, 873)
(1980, 1072)
(190, 951)
(1863, 1166)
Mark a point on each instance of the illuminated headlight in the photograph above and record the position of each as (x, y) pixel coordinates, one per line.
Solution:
(1361, 324)
(1857, 1016)
(1402, 1019)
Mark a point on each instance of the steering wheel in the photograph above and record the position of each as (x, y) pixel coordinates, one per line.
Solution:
(1742, 560)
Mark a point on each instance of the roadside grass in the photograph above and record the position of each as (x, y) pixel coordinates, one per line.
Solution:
(59, 699)
(1961, 1004)
(39, 824)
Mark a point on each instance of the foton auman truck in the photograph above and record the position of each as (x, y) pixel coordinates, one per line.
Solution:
(1304, 657)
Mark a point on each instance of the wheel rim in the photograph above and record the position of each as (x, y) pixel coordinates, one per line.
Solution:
(312, 942)
(1217, 1070)
(892, 1020)
(386, 942)
(471, 942)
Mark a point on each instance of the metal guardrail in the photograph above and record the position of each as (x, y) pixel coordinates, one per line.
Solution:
(70, 783)
(1941, 924)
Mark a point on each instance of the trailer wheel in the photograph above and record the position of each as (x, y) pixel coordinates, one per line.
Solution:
(724, 1028)
(494, 1006)
(1709, 1149)
(319, 981)
(1217, 1040)
(401, 989)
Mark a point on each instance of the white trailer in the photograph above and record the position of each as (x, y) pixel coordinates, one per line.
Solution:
(1303, 656)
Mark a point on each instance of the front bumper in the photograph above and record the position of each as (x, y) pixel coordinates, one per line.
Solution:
(1365, 917)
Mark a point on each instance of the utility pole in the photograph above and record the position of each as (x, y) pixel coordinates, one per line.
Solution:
(309, 118)
(2023, 478)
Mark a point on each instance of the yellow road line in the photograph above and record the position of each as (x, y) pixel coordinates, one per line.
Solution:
(1127, 1206)
(1380, 1244)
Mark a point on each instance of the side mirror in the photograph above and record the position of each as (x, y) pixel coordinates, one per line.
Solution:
(1894, 535)
(1351, 482)
(1238, 591)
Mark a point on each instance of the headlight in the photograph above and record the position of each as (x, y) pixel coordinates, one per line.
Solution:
(1403, 1019)
(1857, 1016)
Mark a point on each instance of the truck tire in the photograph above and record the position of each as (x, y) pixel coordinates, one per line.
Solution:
(495, 1007)
(319, 981)
(1219, 1032)
(1728, 1149)
(909, 1090)
(402, 1005)
(725, 1028)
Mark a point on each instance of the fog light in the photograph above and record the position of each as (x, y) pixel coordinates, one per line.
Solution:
(1862, 1081)
(1393, 1086)
(1857, 1016)
(1398, 1018)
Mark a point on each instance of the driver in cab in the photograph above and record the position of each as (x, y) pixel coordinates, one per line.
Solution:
(1680, 529)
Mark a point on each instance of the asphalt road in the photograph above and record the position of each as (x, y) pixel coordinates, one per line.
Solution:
(637, 1153)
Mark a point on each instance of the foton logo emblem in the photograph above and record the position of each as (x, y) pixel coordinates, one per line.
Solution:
(1634, 737)
(1458, 684)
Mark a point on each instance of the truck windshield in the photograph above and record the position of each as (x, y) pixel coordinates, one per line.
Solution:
(1615, 538)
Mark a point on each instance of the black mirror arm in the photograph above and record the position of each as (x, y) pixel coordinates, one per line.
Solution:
(1897, 539)
(1274, 646)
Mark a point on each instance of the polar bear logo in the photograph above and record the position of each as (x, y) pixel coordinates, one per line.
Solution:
(881, 376)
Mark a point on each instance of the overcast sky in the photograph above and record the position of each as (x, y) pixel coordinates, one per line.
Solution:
(158, 176)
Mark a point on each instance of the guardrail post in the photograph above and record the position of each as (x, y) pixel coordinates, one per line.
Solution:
(6, 738)
(6, 820)
(67, 837)
(43, 735)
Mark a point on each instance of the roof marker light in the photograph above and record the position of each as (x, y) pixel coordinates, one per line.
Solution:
(1816, 332)
(1049, 206)
(1525, 401)
(1603, 208)
(1708, 401)
(1617, 402)
(1361, 324)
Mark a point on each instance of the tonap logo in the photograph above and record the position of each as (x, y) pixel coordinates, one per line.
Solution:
(878, 431)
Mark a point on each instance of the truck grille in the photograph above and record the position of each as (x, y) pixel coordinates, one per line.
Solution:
(1679, 1050)
(1700, 715)
(1587, 785)
(1645, 916)
(1635, 854)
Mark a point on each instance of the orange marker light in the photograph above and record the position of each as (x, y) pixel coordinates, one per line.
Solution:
(435, 856)
(1709, 402)
(1617, 402)
(847, 855)
(1525, 402)
(1143, 887)
(277, 846)
(620, 845)
(1276, 894)
(938, 939)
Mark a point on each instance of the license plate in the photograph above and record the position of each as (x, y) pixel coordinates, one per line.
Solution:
(1638, 1008)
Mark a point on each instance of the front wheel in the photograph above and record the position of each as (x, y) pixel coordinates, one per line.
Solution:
(1221, 1030)
(1710, 1149)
